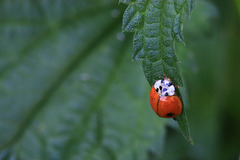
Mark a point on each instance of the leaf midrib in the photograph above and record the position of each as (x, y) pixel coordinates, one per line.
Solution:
(80, 130)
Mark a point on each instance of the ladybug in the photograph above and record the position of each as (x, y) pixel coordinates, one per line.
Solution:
(163, 99)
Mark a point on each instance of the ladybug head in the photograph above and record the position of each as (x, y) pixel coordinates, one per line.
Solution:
(164, 87)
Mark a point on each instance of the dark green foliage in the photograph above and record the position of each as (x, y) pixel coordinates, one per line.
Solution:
(68, 88)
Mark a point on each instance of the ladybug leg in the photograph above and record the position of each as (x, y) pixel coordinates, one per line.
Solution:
(160, 76)
(174, 119)
(164, 75)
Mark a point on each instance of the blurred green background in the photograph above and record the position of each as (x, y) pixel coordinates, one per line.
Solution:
(69, 89)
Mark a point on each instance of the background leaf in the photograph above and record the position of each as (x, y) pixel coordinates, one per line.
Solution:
(68, 87)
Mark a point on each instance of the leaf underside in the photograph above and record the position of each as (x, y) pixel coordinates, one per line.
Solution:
(158, 24)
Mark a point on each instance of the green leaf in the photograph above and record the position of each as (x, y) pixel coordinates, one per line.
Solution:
(67, 87)
(183, 121)
(158, 24)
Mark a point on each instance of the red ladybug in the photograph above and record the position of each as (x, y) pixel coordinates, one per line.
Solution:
(163, 99)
